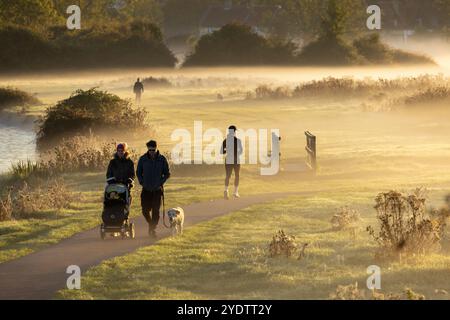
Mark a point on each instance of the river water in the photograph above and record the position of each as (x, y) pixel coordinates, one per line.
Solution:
(17, 141)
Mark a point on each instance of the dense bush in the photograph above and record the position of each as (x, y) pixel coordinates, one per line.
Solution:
(88, 112)
(404, 57)
(127, 45)
(362, 51)
(10, 97)
(373, 50)
(329, 51)
(236, 44)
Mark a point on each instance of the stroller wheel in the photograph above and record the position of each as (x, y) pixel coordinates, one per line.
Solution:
(102, 232)
(132, 231)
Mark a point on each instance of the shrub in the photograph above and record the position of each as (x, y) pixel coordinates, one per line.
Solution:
(373, 50)
(330, 51)
(407, 294)
(11, 97)
(403, 57)
(346, 218)
(266, 92)
(405, 225)
(365, 50)
(282, 245)
(351, 292)
(87, 112)
(236, 44)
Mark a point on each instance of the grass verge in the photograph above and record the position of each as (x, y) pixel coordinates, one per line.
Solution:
(227, 258)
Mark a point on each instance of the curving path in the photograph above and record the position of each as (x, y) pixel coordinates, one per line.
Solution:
(39, 275)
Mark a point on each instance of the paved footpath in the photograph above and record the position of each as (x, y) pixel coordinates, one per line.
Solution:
(38, 276)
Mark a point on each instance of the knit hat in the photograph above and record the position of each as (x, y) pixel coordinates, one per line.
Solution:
(122, 146)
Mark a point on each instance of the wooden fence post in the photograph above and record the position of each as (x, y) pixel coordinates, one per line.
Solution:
(311, 150)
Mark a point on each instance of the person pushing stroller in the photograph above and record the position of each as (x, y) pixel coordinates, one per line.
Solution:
(117, 199)
(121, 168)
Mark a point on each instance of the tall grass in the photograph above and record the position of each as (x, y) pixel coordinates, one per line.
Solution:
(6, 206)
(349, 87)
(25, 200)
(74, 154)
(438, 95)
(34, 186)
(24, 169)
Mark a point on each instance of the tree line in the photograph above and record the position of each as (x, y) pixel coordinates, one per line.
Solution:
(291, 17)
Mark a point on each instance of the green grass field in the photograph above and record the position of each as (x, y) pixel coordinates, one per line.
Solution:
(227, 258)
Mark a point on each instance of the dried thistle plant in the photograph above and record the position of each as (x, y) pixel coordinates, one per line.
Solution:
(282, 245)
(350, 292)
(405, 227)
(346, 218)
(6, 207)
(407, 294)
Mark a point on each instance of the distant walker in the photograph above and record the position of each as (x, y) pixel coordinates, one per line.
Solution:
(138, 89)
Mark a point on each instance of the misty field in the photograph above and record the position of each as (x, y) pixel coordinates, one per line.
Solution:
(367, 143)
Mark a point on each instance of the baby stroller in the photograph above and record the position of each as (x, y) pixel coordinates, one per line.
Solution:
(116, 209)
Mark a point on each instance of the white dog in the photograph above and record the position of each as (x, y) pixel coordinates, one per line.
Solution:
(176, 220)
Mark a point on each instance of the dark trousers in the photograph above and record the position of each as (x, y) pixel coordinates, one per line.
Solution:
(229, 171)
(151, 204)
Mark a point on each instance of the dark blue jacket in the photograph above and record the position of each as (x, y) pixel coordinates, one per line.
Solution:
(152, 173)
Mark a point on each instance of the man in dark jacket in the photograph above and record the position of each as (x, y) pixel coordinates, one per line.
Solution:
(152, 172)
(232, 149)
(121, 168)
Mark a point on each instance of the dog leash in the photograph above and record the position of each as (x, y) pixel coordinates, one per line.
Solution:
(164, 208)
